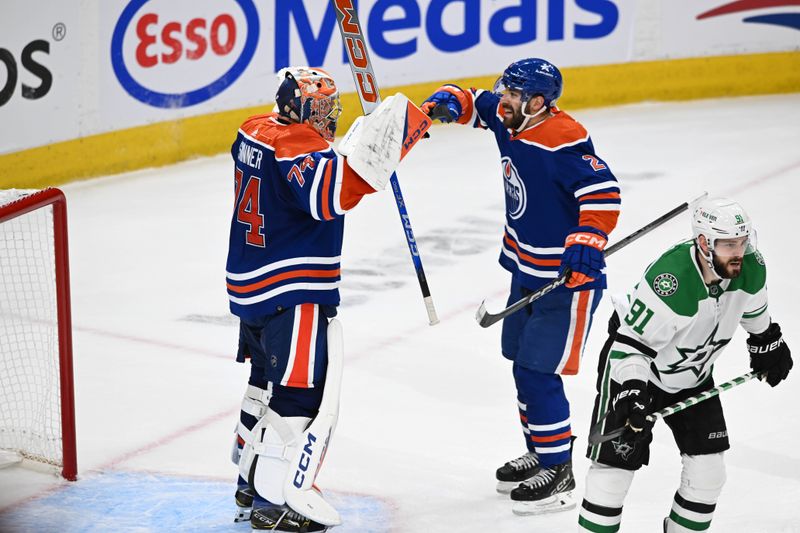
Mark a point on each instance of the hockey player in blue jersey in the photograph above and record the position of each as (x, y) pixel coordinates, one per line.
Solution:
(562, 201)
(291, 193)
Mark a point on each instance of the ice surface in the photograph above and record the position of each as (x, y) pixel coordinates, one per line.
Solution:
(428, 413)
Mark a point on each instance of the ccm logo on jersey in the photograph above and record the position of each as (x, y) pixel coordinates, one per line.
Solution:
(717, 435)
(765, 349)
(588, 239)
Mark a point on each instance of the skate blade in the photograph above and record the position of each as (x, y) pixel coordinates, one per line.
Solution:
(505, 487)
(243, 514)
(553, 504)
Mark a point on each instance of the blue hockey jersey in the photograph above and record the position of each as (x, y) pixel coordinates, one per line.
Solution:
(291, 192)
(553, 181)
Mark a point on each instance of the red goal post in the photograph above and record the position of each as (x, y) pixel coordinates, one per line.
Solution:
(28, 427)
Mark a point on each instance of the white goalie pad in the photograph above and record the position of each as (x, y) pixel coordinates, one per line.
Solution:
(275, 442)
(299, 492)
(375, 144)
(254, 403)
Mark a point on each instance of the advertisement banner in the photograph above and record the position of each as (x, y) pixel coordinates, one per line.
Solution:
(41, 59)
(693, 28)
(84, 67)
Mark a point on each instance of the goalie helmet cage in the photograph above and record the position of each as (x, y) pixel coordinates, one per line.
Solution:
(37, 413)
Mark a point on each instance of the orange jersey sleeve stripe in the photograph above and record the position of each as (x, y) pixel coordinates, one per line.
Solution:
(308, 273)
(326, 191)
(605, 221)
(599, 196)
(530, 258)
(353, 187)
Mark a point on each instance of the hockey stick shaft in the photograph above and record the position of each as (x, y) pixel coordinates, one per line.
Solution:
(597, 437)
(486, 319)
(370, 97)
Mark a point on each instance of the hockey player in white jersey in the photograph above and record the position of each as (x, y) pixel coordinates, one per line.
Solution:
(674, 325)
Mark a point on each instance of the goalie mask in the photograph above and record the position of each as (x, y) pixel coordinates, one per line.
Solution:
(728, 231)
(309, 95)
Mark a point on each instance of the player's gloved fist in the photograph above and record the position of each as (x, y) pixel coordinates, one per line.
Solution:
(583, 255)
(443, 105)
(631, 407)
(769, 353)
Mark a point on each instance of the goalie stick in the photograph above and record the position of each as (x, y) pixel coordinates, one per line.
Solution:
(486, 319)
(596, 435)
(370, 98)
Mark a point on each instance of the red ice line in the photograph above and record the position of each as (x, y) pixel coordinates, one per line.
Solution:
(230, 413)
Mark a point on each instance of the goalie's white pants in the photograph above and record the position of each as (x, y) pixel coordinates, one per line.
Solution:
(286, 453)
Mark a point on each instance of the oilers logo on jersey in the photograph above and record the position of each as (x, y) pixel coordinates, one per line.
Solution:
(516, 198)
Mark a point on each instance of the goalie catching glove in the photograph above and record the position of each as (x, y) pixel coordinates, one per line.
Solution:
(769, 353)
(376, 143)
(583, 255)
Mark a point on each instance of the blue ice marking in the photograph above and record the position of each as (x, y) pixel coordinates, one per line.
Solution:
(143, 502)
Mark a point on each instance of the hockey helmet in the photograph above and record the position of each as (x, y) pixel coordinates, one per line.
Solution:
(532, 77)
(310, 95)
(721, 218)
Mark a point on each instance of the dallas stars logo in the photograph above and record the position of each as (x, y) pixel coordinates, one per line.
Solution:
(696, 359)
(622, 448)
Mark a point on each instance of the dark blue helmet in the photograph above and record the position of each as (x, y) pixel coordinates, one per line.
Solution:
(532, 77)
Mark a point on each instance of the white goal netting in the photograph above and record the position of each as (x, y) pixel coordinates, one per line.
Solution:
(30, 408)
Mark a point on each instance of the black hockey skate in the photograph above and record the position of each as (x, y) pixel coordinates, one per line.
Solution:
(514, 472)
(244, 504)
(548, 491)
(282, 518)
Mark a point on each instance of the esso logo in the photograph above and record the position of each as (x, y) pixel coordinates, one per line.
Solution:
(173, 54)
(516, 197)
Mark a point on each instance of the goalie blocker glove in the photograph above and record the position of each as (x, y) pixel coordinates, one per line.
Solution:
(583, 255)
(769, 353)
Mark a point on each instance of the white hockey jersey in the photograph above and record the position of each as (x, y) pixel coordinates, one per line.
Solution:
(673, 326)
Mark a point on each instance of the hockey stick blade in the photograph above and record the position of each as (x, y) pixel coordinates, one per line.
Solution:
(596, 435)
(370, 97)
(486, 319)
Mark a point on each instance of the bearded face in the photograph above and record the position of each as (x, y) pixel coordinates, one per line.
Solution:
(728, 255)
(511, 107)
(728, 267)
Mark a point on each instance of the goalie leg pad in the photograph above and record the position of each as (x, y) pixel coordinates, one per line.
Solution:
(275, 441)
(375, 144)
(693, 506)
(254, 407)
(299, 491)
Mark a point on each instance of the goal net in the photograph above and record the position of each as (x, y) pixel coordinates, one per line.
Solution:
(37, 421)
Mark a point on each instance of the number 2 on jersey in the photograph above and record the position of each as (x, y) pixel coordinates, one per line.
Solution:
(637, 309)
(248, 210)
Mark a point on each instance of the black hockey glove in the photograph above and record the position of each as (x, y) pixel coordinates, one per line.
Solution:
(769, 353)
(631, 406)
